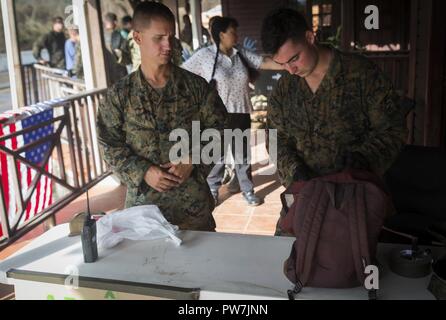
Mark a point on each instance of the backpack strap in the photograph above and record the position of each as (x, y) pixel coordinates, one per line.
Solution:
(315, 211)
(355, 195)
(312, 211)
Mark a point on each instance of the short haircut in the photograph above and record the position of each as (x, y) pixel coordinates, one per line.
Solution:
(281, 25)
(111, 17)
(58, 20)
(221, 24)
(126, 19)
(145, 12)
(73, 28)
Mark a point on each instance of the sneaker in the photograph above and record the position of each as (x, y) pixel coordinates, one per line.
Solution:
(251, 198)
(215, 196)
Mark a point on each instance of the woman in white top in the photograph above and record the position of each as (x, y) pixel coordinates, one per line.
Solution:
(228, 67)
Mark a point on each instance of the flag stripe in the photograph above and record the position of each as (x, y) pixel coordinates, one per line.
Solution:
(12, 196)
(4, 173)
(42, 195)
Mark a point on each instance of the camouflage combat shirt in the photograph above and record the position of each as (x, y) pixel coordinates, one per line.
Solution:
(54, 42)
(354, 109)
(134, 123)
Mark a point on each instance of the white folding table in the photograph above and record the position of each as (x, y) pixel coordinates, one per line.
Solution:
(205, 266)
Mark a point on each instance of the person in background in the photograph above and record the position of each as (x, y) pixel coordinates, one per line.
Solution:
(78, 68)
(116, 54)
(126, 33)
(186, 33)
(135, 53)
(229, 67)
(54, 43)
(70, 49)
(127, 26)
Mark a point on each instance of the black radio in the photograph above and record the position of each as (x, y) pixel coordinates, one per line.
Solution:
(89, 238)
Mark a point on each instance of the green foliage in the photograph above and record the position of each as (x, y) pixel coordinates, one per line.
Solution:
(335, 40)
(33, 18)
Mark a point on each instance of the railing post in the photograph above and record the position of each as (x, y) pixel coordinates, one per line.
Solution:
(4, 221)
(34, 84)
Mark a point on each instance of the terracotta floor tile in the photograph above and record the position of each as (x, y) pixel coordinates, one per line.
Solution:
(230, 222)
(8, 251)
(272, 209)
(232, 208)
(262, 224)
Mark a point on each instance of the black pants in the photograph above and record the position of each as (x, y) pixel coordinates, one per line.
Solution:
(240, 121)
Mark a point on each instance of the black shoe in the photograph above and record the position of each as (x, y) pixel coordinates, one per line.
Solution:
(215, 196)
(251, 198)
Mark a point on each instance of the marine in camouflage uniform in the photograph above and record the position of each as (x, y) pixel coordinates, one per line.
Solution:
(78, 69)
(54, 42)
(134, 123)
(355, 109)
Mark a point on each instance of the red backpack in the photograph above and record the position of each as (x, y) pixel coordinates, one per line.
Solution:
(336, 220)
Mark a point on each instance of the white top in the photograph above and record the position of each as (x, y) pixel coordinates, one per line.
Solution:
(231, 75)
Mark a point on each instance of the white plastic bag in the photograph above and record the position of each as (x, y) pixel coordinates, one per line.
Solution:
(137, 223)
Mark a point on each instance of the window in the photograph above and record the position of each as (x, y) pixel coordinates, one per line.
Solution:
(321, 16)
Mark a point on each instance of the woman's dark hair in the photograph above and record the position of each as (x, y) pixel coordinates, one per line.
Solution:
(280, 26)
(111, 17)
(126, 19)
(220, 24)
(57, 20)
(146, 11)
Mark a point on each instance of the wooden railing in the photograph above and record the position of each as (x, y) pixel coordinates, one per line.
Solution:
(75, 158)
(42, 83)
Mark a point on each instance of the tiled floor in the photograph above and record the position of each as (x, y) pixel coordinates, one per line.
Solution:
(234, 215)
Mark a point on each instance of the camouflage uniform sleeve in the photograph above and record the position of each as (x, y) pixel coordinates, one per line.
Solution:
(177, 55)
(289, 164)
(135, 54)
(213, 115)
(130, 167)
(38, 46)
(78, 68)
(125, 52)
(388, 130)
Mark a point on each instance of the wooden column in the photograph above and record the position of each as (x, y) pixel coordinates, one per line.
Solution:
(195, 10)
(437, 50)
(95, 75)
(13, 55)
(348, 24)
(413, 47)
(90, 32)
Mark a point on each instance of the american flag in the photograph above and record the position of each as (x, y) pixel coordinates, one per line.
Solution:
(42, 196)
